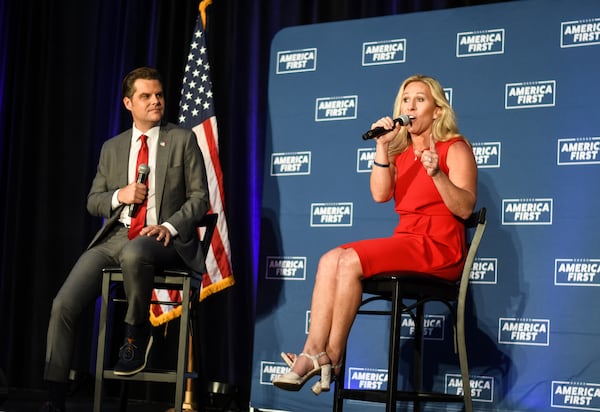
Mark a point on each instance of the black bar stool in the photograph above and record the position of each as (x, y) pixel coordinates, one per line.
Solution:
(173, 279)
(408, 292)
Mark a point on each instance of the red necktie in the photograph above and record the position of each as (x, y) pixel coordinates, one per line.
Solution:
(139, 220)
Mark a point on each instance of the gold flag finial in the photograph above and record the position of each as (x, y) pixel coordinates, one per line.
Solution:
(203, 5)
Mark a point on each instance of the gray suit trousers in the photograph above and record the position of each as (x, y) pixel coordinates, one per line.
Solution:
(138, 259)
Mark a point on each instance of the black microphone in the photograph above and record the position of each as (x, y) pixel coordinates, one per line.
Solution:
(143, 172)
(403, 119)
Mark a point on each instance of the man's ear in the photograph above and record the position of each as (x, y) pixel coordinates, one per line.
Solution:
(127, 103)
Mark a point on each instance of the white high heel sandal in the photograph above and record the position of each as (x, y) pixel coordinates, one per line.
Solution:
(291, 381)
(288, 360)
(319, 386)
(323, 386)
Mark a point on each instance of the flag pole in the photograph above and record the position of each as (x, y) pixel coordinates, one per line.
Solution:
(188, 400)
(189, 405)
(219, 274)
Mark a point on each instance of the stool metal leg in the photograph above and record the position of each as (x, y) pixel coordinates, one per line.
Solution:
(183, 341)
(124, 396)
(105, 296)
(394, 349)
(418, 354)
(338, 401)
(464, 367)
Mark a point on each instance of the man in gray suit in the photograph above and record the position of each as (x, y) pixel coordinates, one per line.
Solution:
(175, 199)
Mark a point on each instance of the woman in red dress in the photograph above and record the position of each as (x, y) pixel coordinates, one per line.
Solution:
(429, 170)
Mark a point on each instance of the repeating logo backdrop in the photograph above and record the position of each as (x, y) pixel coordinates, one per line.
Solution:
(523, 79)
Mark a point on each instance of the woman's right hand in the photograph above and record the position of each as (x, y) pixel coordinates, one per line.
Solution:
(388, 124)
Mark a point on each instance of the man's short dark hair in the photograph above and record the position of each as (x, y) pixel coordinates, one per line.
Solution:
(146, 73)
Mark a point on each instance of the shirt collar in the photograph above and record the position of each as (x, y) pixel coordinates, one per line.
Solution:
(152, 133)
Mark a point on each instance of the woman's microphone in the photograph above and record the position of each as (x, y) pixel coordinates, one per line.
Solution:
(403, 119)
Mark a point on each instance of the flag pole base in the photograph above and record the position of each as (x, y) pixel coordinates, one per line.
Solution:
(188, 403)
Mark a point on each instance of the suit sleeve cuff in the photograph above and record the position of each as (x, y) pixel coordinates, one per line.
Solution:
(171, 228)
(115, 200)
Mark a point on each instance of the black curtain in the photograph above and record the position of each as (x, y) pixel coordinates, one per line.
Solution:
(61, 62)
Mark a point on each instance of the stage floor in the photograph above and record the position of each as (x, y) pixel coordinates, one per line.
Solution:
(29, 401)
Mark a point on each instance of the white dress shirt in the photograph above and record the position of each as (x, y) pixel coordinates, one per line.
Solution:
(136, 143)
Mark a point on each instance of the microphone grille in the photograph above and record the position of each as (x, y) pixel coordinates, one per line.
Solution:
(403, 119)
(143, 169)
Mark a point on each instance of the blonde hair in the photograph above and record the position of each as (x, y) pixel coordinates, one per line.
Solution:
(444, 127)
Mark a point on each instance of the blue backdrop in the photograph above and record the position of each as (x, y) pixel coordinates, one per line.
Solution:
(523, 79)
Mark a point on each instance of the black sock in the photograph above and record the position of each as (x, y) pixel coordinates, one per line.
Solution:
(137, 331)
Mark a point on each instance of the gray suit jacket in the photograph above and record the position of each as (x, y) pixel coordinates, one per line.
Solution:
(182, 197)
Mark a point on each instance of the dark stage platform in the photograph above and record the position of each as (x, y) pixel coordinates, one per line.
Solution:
(31, 401)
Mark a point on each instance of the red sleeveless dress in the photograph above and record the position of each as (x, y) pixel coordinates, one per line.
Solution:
(428, 237)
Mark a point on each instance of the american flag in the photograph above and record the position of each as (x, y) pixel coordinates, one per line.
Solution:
(196, 111)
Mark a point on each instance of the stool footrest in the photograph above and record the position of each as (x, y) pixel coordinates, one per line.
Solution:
(381, 396)
(149, 376)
